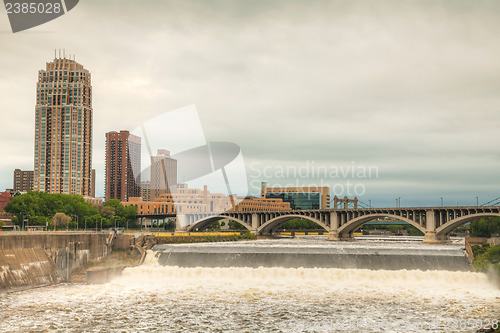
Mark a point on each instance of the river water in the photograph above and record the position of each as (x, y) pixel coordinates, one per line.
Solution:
(154, 298)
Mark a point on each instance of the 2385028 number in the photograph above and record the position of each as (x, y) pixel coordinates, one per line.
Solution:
(33, 8)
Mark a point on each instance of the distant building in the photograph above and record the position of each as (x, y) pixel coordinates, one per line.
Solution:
(252, 204)
(5, 197)
(299, 197)
(63, 129)
(23, 181)
(93, 200)
(6, 218)
(146, 191)
(123, 166)
(160, 206)
(186, 200)
(163, 174)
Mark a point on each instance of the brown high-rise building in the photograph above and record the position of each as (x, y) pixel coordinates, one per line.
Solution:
(23, 181)
(123, 166)
(63, 129)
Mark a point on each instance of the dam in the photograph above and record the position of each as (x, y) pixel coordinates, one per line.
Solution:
(314, 252)
(28, 259)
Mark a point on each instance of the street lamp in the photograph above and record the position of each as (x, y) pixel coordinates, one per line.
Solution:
(477, 201)
(399, 199)
(24, 219)
(86, 223)
(76, 218)
(441, 201)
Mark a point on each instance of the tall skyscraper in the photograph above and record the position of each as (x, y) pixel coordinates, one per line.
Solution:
(123, 166)
(63, 129)
(163, 174)
(23, 181)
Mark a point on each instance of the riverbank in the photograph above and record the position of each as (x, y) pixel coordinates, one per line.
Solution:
(487, 260)
(47, 258)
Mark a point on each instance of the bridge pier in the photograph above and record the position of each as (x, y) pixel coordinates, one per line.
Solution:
(431, 237)
(334, 236)
(181, 223)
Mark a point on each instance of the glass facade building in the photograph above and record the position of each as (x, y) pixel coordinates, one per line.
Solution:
(298, 200)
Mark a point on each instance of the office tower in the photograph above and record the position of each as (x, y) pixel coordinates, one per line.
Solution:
(63, 129)
(123, 166)
(23, 181)
(163, 174)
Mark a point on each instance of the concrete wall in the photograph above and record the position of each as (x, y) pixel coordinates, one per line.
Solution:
(31, 259)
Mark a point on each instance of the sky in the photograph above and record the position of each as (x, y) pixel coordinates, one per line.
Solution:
(408, 90)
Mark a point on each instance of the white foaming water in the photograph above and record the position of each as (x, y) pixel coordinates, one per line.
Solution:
(434, 284)
(173, 299)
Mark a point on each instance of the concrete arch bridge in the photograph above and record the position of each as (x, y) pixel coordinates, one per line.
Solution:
(436, 223)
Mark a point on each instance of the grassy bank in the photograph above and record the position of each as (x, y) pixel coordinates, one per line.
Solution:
(487, 260)
(204, 239)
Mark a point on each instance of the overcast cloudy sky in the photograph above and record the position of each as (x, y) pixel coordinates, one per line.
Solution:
(410, 87)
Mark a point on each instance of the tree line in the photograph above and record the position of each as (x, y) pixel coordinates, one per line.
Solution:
(485, 227)
(69, 211)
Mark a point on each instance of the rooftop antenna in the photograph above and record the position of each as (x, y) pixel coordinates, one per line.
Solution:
(59, 53)
(64, 53)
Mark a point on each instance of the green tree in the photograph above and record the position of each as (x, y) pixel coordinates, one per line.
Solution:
(39, 205)
(235, 225)
(117, 205)
(300, 224)
(108, 212)
(485, 227)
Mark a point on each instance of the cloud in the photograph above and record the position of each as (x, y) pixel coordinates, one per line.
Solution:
(409, 86)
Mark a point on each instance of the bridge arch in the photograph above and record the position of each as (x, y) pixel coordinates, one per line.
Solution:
(449, 226)
(279, 220)
(203, 223)
(353, 224)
